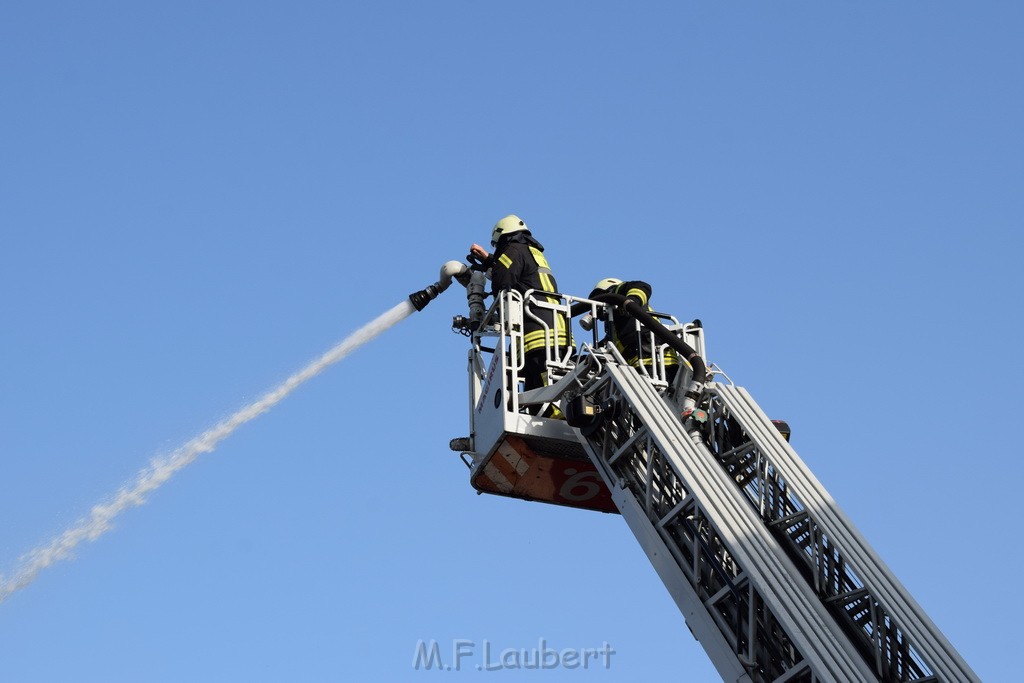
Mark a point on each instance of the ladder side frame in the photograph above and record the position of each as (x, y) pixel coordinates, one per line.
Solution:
(745, 543)
(900, 627)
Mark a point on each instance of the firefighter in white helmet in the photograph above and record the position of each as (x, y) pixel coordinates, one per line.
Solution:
(518, 263)
(632, 341)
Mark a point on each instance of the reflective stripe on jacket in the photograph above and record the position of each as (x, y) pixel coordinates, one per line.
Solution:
(630, 342)
(520, 264)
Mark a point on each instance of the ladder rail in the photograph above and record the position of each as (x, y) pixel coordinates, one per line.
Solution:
(908, 628)
(773, 578)
(786, 605)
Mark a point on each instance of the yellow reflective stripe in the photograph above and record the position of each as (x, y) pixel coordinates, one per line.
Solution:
(538, 256)
(547, 283)
(538, 339)
(670, 356)
(505, 260)
(560, 325)
(647, 361)
(638, 293)
(539, 344)
(548, 286)
(543, 334)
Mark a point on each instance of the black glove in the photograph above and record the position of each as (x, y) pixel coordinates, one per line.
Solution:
(477, 263)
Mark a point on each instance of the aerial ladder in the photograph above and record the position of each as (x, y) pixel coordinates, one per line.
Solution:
(771, 576)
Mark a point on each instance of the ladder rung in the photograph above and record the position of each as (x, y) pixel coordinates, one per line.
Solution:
(790, 520)
(849, 596)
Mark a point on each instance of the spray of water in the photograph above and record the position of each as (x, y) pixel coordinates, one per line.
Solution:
(160, 470)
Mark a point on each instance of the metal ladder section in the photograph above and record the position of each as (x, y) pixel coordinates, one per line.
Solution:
(741, 592)
(879, 616)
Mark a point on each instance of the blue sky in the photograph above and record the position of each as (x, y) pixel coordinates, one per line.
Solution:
(196, 199)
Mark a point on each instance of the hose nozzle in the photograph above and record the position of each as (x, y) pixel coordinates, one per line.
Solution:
(423, 297)
(452, 269)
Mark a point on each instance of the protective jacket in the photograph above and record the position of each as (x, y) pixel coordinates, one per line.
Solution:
(633, 342)
(518, 263)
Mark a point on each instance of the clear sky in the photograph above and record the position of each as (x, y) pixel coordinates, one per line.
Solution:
(198, 198)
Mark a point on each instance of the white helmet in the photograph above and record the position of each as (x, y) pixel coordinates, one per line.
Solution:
(507, 225)
(605, 285)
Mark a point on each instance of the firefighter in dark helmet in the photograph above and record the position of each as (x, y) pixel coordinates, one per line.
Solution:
(632, 341)
(518, 263)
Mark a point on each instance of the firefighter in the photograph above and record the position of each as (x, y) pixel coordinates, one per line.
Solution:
(632, 341)
(518, 263)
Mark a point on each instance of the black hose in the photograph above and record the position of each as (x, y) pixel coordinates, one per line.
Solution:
(579, 308)
(631, 307)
